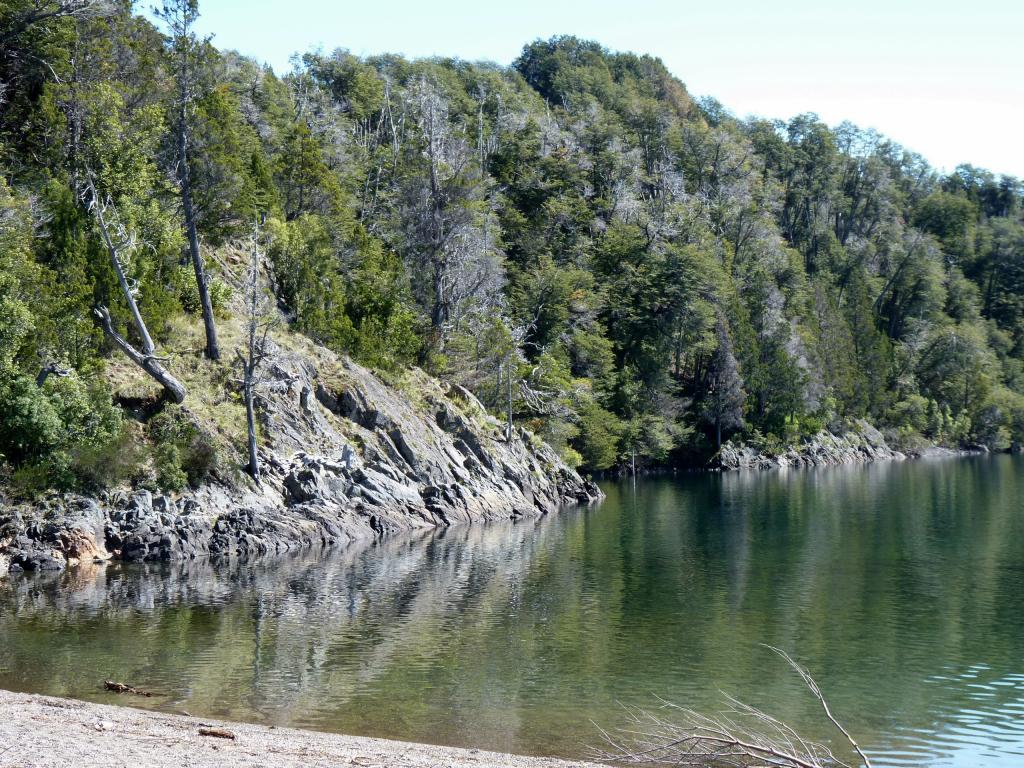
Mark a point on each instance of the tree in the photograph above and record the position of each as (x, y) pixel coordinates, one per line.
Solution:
(450, 235)
(258, 322)
(119, 243)
(180, 17)
(723, 404)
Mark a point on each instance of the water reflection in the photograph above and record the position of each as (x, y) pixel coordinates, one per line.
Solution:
(899, 585)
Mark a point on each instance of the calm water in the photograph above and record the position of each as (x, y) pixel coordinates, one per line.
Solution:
(901, 587)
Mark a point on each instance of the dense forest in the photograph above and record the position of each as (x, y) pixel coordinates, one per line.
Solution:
(625, 270)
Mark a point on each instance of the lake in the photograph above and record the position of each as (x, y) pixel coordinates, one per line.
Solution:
(899, 585)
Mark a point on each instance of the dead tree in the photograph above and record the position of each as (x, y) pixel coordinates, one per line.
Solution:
(120, 242)
(149, 363)
(739, 736)
(259, 321)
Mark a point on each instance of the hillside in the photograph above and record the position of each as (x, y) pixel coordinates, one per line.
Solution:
(345, 456)
(626, 272)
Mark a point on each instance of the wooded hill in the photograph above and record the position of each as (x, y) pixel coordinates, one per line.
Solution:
(573, 237)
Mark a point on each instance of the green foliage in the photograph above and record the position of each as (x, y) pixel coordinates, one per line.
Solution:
(597, 440)
(344, 289)
(170, 475)
(182, 284)
(642, 273)
(185, 453)
(58, 431)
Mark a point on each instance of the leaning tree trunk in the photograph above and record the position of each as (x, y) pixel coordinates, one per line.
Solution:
(48, 370)
(122, 279)
(188, 207)
(147, 362)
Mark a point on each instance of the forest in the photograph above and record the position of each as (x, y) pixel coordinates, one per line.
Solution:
(630, 273)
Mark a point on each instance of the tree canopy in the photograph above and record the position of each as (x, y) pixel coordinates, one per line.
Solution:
(625, 270)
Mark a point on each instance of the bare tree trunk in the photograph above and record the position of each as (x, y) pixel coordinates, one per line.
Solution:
(129, 294)
(50, 369)
(250, 422)
(256, 351)
(188, 206)
(147, 362)
(508, 429)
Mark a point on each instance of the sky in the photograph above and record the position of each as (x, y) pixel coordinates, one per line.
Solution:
(944, 78)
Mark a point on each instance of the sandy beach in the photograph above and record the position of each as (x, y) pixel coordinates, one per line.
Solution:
(44, 731)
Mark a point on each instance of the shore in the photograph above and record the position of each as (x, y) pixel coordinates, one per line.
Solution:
(44, 731)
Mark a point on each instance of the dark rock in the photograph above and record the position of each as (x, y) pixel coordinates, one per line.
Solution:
(356, 460)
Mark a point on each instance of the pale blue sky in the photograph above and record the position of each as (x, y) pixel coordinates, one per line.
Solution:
(943, 77)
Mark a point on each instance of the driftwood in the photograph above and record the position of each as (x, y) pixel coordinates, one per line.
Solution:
(147, 362)
(740, 735)
(110, 685)
(217, 733)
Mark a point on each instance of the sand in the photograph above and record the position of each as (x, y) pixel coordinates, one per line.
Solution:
(47, 731)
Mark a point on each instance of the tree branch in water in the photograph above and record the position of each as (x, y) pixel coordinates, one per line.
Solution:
(740, 735)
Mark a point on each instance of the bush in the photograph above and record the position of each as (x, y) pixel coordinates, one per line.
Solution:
(195, 452)
(200, 459)
(169, 473)
(64, 435)
(598, 439)
(914, 413)
(184, 287)
(906, 439)
(106, 464)
(30, 425)
(32, 480)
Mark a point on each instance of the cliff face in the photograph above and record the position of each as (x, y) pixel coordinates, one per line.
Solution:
(821, 450)
(345, 456)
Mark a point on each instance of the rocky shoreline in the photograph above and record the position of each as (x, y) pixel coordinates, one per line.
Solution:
(823, 449)
(859, 445)
(43, 731)
(345, 457)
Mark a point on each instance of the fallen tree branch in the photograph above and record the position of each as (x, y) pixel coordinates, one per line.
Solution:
(741, 736)
(174, 388)
(813, 686)
(110, 685)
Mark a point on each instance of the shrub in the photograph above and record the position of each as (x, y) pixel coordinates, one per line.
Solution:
(184, 287)
(598, 438)
(56, 425)
(169, 474)
(195, 451)
(109, 463)
(200, 459)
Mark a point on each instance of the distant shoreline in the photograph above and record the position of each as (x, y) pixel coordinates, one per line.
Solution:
(43, 731)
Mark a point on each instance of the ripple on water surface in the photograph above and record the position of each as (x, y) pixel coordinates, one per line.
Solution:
(899, 585)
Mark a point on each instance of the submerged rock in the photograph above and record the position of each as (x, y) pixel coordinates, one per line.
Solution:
(345, 457)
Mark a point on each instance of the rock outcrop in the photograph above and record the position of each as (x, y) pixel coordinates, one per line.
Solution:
(345, 457)
(865, 443)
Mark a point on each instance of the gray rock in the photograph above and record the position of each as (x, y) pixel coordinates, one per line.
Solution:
(823, 449)
(357, 459)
